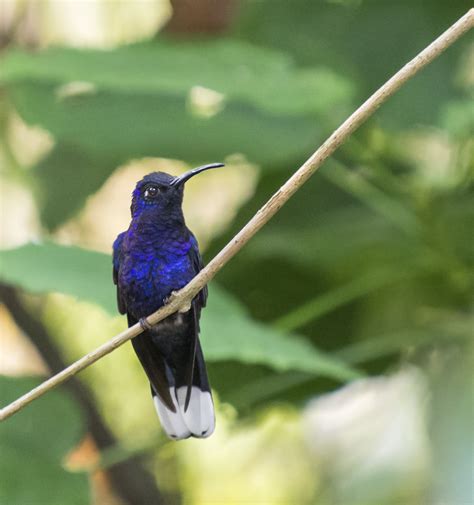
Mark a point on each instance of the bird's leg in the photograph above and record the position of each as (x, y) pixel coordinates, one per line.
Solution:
(184, 307)
(145, 324)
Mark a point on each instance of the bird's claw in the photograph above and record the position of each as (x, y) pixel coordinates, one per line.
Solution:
(145, 324)
(184, 307)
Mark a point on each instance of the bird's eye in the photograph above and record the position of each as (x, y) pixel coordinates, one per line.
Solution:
(151, 192)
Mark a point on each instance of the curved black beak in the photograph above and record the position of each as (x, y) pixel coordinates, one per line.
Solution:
(179, 181)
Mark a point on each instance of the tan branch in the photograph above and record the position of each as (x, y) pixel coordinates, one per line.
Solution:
(275, 203)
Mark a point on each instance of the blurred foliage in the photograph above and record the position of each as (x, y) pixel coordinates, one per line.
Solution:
(368, 41)
(33, 448)
(370, 265)
(102, 117)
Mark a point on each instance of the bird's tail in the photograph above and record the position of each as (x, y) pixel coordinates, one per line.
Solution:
(193, 414)
(179, 386)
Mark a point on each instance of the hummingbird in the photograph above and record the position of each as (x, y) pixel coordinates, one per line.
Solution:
(156, 256)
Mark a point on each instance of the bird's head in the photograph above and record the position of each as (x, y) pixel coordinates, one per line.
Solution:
(162, 193)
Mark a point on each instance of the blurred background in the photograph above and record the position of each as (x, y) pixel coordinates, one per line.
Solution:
(339, 341)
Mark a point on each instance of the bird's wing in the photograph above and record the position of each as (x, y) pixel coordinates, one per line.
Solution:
(117, 255)
(198, 266)
(198, 303)
(194, 343)
(154, 364)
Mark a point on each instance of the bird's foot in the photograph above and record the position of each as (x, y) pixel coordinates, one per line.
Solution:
(184, 307)
(145, 324)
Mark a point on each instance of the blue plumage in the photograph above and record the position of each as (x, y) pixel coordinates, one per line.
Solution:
(157, 255)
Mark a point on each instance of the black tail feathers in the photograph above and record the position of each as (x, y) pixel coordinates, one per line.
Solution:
(176, 369)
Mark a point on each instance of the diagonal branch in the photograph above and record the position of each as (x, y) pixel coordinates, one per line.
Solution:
(185, 295)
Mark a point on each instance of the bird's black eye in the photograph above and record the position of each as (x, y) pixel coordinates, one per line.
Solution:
(151, 192)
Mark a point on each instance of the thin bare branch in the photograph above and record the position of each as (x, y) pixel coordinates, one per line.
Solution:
(183, 297)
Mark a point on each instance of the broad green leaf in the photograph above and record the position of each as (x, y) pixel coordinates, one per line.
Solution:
(48, 267)
(125, 125)
(137, 99)
(240, 72)
(228, 333)
(33, 446)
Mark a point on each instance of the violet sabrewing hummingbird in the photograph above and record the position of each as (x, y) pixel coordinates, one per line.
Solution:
(156, 256)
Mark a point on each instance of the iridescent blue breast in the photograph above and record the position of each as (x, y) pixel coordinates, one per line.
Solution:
(148, 275)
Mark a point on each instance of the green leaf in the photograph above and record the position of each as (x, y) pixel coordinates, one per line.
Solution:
(228, 333)
(33, 445)
(241, 72)
(126, 125)
(42, 268)
(146, 110)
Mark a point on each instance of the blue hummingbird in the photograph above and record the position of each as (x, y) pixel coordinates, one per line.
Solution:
(157, 255)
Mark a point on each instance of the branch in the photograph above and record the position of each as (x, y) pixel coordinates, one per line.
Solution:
(185, 295)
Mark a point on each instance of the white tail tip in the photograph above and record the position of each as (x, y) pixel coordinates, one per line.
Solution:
(198, 420)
